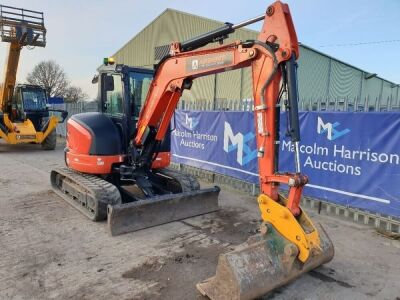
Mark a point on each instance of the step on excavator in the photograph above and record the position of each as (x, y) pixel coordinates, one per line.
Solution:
(24, 115)
(117, 160)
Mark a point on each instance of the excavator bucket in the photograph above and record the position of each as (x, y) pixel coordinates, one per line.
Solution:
(133, 216)
(263, 263)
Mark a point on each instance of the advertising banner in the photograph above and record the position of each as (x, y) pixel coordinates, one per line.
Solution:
(352, 159)
(218, 141)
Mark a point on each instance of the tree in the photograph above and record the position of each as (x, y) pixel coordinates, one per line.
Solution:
(74, 94)
(50, 76)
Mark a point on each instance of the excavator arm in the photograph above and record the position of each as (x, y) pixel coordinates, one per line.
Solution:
(272, 57)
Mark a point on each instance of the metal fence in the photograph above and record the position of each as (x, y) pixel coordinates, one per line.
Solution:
(347, 104)
(367, 103)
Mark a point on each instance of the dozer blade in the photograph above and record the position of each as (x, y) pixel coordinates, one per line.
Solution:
(123, 218)
(260, 265)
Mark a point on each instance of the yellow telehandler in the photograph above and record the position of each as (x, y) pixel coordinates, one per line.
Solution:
(24, 115)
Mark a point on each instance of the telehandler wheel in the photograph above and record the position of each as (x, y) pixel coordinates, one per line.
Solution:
(50, 141)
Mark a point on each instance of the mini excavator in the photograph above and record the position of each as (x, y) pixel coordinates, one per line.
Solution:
(117, 159)
(24, 115)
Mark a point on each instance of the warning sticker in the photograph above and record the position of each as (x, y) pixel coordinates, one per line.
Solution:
(208, 61)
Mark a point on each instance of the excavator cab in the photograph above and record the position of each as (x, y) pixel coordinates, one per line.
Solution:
(122, 92)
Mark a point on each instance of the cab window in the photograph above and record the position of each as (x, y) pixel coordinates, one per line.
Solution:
(113, 98)
(139, 85)
(33, 99)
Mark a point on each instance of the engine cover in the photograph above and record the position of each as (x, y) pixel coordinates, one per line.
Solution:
(94, 143)
(99, 134)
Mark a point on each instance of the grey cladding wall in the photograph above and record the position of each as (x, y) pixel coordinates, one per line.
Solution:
(322, 79)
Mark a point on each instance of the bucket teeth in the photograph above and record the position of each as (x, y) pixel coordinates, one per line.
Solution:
(260, 265)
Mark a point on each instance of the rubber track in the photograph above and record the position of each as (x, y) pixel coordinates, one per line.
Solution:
(100, 190)
(188, 182)
(106, 193)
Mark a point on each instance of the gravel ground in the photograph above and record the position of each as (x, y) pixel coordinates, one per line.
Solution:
(50, 251)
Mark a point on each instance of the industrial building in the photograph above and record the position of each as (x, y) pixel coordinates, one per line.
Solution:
(325, 83)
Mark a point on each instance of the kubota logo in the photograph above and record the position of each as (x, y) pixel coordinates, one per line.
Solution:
(330, 129)
(239, 142)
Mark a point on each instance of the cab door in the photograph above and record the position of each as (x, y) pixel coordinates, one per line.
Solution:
(113, 104)
(139, 85)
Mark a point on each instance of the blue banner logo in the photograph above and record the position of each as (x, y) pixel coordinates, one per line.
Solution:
(191, 122)
(330, 129)
(240, 143)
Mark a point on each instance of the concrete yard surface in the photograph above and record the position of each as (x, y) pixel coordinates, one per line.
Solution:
(50, 251)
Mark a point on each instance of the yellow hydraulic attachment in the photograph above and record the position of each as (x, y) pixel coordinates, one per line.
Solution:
(300, 231)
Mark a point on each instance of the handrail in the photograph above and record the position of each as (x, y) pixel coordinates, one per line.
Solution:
(22, 26)
(12, 7)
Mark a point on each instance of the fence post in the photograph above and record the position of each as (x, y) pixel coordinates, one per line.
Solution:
(215, 92)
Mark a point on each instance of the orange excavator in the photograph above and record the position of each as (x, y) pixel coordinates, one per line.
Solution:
(117, 159)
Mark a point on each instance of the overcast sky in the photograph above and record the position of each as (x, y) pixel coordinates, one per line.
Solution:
(81, 33)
